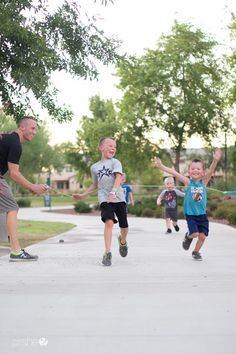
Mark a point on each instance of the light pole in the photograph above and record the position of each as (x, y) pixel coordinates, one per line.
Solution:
(226, 162)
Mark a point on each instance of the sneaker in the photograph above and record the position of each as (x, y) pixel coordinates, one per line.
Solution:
(123, 248)
(106, 261)
(176, 227)
(186, 242)
(168, 231)
(196, 255)
(23, 256)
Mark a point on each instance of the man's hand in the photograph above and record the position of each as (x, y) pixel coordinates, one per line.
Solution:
(37, 189)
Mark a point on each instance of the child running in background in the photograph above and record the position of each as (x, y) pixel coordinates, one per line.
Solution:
(170, 196)
(128, 191)
(195, 199)
(107, 176)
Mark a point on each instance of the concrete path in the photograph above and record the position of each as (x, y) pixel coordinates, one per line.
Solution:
(158, 300)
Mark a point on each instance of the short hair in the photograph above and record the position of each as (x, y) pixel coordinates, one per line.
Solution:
(169, 179)
(198, 160)
(24, 119)
(101, 140)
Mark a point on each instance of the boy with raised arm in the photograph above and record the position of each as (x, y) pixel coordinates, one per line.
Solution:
(195, 199)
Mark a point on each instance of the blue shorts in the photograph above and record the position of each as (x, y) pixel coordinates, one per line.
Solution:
(197, 224)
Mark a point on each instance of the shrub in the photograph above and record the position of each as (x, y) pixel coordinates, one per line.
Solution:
(159, 213)
(212, 205)
(24, 203)
(222, 212)
(147, 212)
(232, 215)
(136, 209)
(97, 207)
(82, 207)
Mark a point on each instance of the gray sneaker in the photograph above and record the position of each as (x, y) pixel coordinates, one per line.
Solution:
(186, 242)
(22, 257)
(106, 260)
(196, 255)
(123, 248)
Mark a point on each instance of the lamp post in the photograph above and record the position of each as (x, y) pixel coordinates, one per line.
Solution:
(226, 162)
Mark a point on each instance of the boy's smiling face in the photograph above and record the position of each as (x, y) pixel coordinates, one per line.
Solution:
(196, 170)
(108, 148)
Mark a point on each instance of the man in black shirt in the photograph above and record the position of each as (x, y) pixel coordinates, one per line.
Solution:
(10, 153)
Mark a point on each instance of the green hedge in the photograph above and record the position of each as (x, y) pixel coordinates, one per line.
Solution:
(82, 207)
(24, 202)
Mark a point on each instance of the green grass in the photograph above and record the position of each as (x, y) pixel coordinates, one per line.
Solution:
(31, 232)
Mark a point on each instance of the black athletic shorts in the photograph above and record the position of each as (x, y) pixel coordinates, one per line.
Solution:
(109, 211)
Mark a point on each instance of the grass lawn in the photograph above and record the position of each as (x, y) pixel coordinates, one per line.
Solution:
(31, 232)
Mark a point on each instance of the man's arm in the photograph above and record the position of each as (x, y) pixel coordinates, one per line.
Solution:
(157, 163)
(216, 158)
(17, 177)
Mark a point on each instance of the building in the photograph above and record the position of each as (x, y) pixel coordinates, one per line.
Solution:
(64, 181)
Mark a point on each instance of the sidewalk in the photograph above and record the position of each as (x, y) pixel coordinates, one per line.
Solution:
(158, 300)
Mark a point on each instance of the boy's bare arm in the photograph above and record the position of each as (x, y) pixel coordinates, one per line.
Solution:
(157, 163)
(158, 201)
(216, 158)
(90, 189)
(116, 185)
(131, 198)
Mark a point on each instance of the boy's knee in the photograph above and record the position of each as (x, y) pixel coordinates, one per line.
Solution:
(194, 235)
(202, 237)
(109, 222)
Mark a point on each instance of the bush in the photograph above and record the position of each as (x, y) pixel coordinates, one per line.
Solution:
(97, 207)
(24, 203)
(147, 212)
(136, 209)
(212, 205)
(232, 215)
(82, 207)
(222, 212)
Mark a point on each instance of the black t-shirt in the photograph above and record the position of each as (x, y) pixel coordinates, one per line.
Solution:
(10, 150)
(170, 198)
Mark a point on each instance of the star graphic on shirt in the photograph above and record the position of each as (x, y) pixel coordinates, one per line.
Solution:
(104, 172)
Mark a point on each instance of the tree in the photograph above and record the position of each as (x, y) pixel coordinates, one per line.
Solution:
(102, 122)
(232, 61)
(105, 120)
(35, 42)
(177, 87)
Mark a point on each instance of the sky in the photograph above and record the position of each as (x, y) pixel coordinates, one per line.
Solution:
(138, 24)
